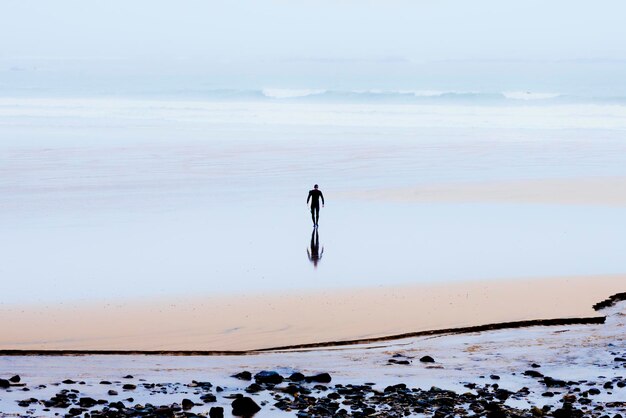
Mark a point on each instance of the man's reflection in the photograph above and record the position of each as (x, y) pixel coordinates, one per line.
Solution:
(314, 251)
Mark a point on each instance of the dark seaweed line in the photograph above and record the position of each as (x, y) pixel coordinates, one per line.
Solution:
(610, 301)
(461, 330)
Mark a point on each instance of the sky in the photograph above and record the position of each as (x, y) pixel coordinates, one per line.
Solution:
(482, 44)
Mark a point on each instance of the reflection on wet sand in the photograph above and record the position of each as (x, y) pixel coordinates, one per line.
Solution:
(314, 253)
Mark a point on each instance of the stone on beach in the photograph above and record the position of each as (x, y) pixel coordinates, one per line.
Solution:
(87, 402)
(209, 397)
(216, 412)
(245, 375)
(245, 407)
(319, 378)
(427, 359)
(296, 377)
(266, 376)
(533, 373)
(187, 404)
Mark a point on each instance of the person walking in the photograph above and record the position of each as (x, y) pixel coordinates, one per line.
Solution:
(314, 197)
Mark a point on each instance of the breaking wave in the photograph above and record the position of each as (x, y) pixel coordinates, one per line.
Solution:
(405, 96)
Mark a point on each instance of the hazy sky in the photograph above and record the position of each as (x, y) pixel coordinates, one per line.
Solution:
(323, 43)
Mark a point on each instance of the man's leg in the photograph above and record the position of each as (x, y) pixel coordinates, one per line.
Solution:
(313, 214)
(317, 215)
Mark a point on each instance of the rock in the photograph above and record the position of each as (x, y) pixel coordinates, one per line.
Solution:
(74, 412)
(268, 377)
(619, 359)
(117, 405)
(27, 402)
(209, 397)
(129, 386)
(216, 412)
(503, 394)
(296, 377)
(567, 411)
(68, 382)
(495, 411)
(128, 376)
(245, 375)
(569, 398)
(187, 404)
(319, 378)
(594, 391)
(112, 392)
(403, 362)
(15, 379)
(203, 385)
(533, 373)
(87, 402)
(164, 411)
(537, 412)
(495, 377)
(254, 388)
(245, 406)
(535, 365)
(4, 383)
(427, 359)
(105, 382)
(552, 382)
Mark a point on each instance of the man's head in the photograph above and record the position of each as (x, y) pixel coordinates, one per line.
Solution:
(315, 187)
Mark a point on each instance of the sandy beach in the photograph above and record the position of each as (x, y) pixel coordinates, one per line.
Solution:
(251, 322)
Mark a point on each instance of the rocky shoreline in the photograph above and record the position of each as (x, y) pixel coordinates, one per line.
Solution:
(316, 396)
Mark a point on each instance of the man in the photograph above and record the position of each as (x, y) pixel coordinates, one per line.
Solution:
(314, 196)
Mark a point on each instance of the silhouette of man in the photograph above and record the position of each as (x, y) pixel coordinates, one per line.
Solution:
(314, 196)
(314, 253)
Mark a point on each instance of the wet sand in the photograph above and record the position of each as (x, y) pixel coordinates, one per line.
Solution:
(258, 321)
(602, 191)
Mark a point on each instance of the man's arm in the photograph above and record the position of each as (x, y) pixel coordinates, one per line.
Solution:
(308, 198)
(322, 196)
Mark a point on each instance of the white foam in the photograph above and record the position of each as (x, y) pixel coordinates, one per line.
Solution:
(290, 93)
(528, 95)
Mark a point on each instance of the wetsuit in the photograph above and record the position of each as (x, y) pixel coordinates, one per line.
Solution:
(314, 196)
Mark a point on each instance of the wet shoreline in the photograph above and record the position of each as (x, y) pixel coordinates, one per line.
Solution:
(598, 306)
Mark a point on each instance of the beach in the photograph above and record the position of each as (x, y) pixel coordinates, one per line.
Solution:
(558, 370)
(170, 241)
(312, 209)
(247, 323)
